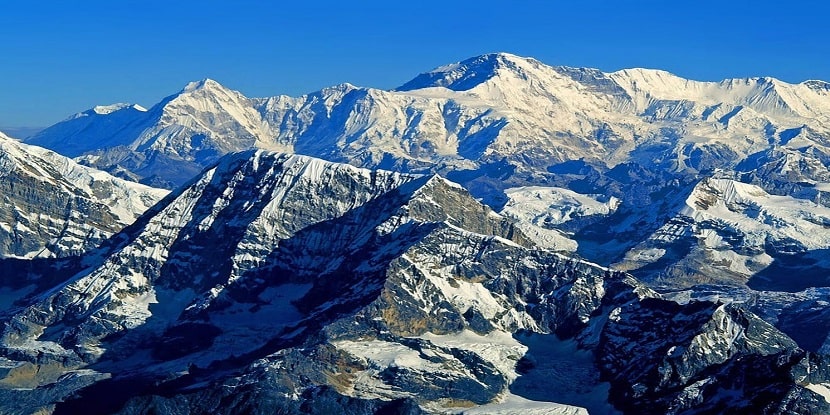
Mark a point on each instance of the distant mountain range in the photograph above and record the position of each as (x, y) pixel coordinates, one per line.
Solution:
(499, 122)
(492, 109)
(494, 236)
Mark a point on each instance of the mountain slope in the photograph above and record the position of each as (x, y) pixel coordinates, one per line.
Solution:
(498, 121)
(278, 283)
(167, 144)
(54, 207)
(735, 231)
(100, 127)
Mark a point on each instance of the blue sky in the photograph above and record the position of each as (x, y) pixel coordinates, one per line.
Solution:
(63, 57)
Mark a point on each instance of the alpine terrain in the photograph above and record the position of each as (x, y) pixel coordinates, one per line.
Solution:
(54, 207)
(277, 283)
(499, 123)
(493, 236)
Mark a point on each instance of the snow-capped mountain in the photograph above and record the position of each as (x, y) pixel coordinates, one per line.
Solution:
(99, 127)
(498, 114)
(639, 142)
(277, 283)
(492, 123)
(646, 116)
(52, 206)
(167, 144)
(727, 230)
(683, 183)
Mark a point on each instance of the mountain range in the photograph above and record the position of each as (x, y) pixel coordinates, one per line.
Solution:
(282, 283)
(499, 123)
(494, 236)
(492, 109)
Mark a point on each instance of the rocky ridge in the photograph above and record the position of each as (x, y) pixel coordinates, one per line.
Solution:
(282, 283)
(51, 206)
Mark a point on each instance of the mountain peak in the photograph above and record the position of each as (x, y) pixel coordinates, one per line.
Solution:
(817, 85)
(109, 109)
(465, 75)
(500, 59)
(340, 88)
(206, 83)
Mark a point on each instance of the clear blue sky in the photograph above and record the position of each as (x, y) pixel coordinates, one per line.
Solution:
(62, 57)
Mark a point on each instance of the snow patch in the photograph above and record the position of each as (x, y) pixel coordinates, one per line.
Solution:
(823, 389)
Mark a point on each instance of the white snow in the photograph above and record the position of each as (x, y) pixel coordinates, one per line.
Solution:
(466, 294)
(512, 404)
(728, 207)
(752, 210)
(822, 389)
(126, 200)
(538, 210)
(497, 347)
(108, 109)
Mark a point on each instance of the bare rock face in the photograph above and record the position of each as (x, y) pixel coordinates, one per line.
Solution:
(278, 283)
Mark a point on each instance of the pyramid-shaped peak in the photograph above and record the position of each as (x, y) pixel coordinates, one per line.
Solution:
(465, 75)
(500, 58)
(206, 83)
(341, 88)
